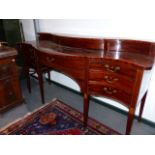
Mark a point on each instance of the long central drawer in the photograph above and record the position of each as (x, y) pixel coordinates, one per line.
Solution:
(74, 67)
(55, 60)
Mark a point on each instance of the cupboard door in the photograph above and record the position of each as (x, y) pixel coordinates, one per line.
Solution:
(10, 92)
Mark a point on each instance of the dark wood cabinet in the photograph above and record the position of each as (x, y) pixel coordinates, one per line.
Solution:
(10, 92)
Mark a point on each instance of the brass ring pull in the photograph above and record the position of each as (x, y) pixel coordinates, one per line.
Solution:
(110, 79)
(112, 68)
(13, 60)
(109, 90)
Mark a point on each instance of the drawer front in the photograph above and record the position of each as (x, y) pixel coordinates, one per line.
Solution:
(61, 61)
(6, 70)
(11, 92)
(72, 67)
(7, 67)
(100, 89)
(121, 82)
(113, 66)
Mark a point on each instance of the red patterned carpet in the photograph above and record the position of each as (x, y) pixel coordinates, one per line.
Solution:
(56, 118)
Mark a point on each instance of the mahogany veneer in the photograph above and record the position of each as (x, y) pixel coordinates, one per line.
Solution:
(111, 68)
(10, 92)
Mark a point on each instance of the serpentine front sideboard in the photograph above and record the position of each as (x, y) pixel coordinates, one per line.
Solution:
(112, 68)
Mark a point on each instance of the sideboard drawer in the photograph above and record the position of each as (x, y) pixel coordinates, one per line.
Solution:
(113, 66)
(57, 61)
(120, 81)
(112, 92)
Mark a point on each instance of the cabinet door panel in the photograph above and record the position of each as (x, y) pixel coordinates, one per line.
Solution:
(10, 92)
(2, 101)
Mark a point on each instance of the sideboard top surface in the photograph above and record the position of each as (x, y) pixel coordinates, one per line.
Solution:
(137, 59)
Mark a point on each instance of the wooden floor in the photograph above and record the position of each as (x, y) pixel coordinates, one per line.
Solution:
(107, 116)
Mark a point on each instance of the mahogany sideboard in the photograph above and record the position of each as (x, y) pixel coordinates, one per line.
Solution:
(10, 92)
(112, 68)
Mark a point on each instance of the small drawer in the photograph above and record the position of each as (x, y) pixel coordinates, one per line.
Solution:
(100, 89)
(120, 81)
(113, 66)
(10, 95)
(5, 70)
(7, 67)
(61, 61)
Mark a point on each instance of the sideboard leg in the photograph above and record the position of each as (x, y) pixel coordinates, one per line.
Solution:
(130, 120)
(49, 76)
(28, 79)
(142, 107)
(41, 87)
(40, 78)
(86, 107)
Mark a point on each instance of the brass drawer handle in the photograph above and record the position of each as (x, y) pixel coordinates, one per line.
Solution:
(109, 90)
(50, 59)
(112, 68)
(110, 79)
(13, 60)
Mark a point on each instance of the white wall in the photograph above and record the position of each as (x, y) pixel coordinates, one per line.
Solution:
(28, 29)
(131, 29)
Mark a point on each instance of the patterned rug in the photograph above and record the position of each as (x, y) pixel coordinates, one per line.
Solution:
(66, 121)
